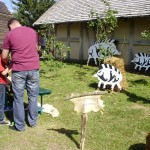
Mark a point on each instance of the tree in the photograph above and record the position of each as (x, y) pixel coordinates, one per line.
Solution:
(103, 26)
(28, 11)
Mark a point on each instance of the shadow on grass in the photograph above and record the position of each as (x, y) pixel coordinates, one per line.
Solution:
(9, 114)
(138, 82)
(139, 146)
(93, 85)
(134, 98)
(142, 72)
(68, 133)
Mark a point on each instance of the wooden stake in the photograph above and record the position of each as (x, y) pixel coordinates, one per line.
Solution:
(83, 130)
(148, 141)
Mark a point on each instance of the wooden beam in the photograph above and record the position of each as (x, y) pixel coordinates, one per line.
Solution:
(131, 39)
(81, 42)
(77, 40)
(135, 43)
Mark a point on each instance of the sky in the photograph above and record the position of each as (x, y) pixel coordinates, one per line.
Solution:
(8, 4)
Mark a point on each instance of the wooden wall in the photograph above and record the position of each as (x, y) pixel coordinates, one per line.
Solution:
(128, 34)
(3, 27)
(5, 15)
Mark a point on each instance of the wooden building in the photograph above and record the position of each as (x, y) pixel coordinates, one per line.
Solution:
(70, 20)
(5, 15)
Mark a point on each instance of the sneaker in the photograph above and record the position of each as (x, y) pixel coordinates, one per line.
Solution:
(12, 127)
(3, 122)
(32, 126)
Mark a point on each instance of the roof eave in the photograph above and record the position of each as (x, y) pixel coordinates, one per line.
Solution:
(84, 20)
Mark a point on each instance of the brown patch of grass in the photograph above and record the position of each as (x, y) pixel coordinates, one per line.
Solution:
(138, 106)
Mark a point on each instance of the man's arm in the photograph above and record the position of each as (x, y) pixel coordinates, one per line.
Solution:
(5, 54)
(5, 72)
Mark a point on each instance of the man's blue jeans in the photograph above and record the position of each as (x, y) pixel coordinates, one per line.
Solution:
(2, 100)
(28, 80)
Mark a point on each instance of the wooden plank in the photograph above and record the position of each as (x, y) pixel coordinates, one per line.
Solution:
(68, 36)
(131, 52)
(135, 43)
(142, 43)
(81, 42)
(64, 39)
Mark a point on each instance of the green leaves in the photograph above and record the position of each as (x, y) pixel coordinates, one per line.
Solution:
(62, 50)
(28, 11)
(145, 34)
(103, 25)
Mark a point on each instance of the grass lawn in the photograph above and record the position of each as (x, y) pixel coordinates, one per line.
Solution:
(123, 126)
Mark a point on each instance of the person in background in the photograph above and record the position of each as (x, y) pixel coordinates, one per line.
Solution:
(21, 42)
(43, 43)
(4, 70)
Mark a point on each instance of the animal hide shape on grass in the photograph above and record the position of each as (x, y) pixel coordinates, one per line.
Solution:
(47, 108)
(88, 104)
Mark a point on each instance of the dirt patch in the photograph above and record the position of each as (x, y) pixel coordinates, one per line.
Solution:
(138, 106)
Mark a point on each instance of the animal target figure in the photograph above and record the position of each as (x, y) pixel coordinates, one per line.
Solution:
(107, 46)
(141, 60)
(109, 75)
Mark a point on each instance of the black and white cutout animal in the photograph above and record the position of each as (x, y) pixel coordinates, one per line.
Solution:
(92, 51)
(141, 60)
(109, 75)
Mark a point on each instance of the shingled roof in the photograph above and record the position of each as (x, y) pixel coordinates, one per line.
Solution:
(3, 9)
(79, 10)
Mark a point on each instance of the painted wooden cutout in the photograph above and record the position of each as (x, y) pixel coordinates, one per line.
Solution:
(109, 75)
(92, 51)
(141, 60)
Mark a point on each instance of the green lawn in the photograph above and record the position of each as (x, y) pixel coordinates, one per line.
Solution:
(123, 126)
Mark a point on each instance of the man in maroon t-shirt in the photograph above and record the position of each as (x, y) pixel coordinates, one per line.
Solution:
(21, 42)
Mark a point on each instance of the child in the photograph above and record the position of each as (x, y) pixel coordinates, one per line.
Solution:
(3, 81)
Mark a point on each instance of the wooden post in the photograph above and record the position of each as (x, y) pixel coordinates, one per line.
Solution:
(148, 141)
(83, 130)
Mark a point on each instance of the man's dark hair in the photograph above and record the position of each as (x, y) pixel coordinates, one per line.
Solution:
(12, 20)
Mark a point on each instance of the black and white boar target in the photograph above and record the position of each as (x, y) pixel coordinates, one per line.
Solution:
(107, 46)
(109, 75)
(141, 60)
